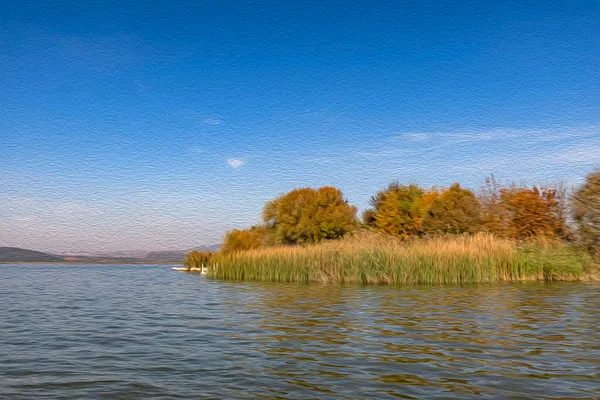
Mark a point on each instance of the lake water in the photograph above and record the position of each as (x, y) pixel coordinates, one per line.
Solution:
(146, 332)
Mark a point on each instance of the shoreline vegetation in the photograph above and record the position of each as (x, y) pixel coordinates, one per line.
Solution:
(375, 259)
(411, 235)
(91, 262)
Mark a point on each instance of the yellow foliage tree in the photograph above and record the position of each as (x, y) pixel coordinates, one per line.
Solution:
(309, 215)
(399, 210)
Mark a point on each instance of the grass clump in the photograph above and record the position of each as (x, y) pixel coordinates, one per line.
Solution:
(557, 261)
(370, 258)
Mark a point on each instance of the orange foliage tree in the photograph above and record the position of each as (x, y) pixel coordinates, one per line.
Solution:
(531, 213)
(244, 239)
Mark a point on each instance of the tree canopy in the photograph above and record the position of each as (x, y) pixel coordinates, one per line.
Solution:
(531, 213)
(308, 215)
(242, 239)
(399, 210)
(454, 211)
(586, 210)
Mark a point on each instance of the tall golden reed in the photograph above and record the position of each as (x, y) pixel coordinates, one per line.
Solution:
(370, 258)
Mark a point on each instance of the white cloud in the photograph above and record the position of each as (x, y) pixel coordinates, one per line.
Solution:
(236, 162)
(211, 121)
(417, 137)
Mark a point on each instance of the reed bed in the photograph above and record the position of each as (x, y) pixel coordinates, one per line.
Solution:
(370, 258)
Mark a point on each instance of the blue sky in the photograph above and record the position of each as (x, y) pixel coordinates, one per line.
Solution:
(160, 125)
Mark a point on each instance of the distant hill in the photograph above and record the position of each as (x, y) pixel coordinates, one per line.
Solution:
(102, 260)
(15, 254)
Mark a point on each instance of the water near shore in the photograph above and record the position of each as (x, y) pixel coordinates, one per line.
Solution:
(144, 332)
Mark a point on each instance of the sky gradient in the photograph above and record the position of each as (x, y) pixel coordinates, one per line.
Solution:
(160, 125)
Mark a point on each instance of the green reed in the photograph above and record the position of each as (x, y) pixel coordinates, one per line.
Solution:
(376, 259)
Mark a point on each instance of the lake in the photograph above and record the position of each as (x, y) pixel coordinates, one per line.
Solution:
(146, 332)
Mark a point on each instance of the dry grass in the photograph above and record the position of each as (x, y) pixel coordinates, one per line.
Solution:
(370, 258)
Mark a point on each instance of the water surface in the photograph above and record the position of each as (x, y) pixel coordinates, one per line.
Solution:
(146, 332)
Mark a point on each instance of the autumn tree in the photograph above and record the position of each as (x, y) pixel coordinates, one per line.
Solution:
(309, 215)
(531, 213)
(586, 210)
(269, 213)
(399, 210)
(455, 210)
(242, 239)
(493, 218)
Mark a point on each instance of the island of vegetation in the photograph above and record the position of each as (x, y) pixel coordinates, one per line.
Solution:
(412, 235)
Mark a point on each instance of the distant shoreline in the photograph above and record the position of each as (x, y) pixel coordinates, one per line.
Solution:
(17, 255)
(93, 262)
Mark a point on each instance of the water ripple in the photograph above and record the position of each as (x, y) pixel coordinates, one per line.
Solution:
(145, 332)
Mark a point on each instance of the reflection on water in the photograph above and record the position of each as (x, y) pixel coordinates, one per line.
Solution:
(147, 332)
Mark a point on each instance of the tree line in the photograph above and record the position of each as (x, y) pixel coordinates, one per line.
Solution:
(407, 211)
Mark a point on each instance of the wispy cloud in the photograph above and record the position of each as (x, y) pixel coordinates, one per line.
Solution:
(476, 136)
(211, 121)
(390, 151)
(200, 117)
(197, 150)
(583, 154)
(531, 156)
(236, 162)
(497, 134)
(417, 137)
(400, 143)
(468, 136)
